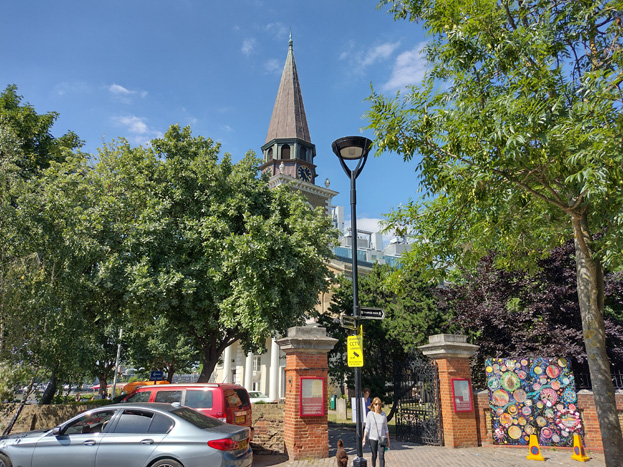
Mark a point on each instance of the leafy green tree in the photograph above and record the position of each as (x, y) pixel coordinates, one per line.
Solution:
(411, 316)
(34, 142)
(159, 346)
(210, 248)
(29, 306)
(518, 123)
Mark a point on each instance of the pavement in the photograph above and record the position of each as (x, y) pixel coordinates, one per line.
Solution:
(409, 454)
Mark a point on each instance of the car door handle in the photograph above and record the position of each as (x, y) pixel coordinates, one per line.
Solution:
(89, 442)
(147, 441)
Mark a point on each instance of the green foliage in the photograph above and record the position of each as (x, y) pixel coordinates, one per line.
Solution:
(207, 245)
(410, 317)
(518, 124)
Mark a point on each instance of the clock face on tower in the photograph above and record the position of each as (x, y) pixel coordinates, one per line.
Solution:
(304, 173)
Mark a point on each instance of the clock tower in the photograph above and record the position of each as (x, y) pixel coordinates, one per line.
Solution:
(288, 152)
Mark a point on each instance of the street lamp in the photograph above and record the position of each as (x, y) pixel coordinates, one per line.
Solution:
(354, 148)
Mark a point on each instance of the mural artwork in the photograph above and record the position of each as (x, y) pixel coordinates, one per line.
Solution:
(533, 397)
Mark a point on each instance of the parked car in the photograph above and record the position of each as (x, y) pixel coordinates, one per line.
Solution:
(257, 396)
(131, 435)
(227, 402)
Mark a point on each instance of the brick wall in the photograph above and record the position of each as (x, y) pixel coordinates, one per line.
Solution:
(585, 404)
(268, 423)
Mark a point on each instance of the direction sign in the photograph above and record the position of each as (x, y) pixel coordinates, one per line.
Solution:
(355, 351)
(156, 376)
(347, 321)
(371, 313)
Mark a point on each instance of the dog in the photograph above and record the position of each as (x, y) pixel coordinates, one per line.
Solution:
(341, 456)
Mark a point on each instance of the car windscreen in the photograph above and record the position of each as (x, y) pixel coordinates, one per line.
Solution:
(236, 398)
(196, 418)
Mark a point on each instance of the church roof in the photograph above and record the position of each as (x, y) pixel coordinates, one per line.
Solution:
(288, 119)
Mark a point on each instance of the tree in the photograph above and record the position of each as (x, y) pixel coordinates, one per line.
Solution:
(210, 248)
(159, 346)
(516, 313)
(29, 304)
(411, 316)
(519, 126)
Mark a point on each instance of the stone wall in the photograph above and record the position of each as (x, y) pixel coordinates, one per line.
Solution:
(585, 404)
(267, 421)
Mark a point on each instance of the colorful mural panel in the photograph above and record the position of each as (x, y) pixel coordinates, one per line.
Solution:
(532, 396)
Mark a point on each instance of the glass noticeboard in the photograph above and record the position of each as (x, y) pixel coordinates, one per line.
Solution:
(313, 396)
(462, 395)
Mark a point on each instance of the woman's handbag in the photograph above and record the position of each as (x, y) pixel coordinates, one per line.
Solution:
(383, 441)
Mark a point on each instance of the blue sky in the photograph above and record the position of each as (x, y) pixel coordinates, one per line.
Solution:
(131, 68)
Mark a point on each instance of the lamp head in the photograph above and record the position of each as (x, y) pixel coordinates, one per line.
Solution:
(351, 147)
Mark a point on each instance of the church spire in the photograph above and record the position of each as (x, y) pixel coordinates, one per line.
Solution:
(289, 119)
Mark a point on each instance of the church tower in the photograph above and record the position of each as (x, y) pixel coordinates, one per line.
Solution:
(288, 152)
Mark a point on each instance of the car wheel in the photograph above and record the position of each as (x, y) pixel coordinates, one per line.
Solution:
(5, 461)
(162, 463)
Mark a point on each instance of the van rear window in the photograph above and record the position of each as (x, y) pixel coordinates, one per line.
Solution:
(201, 399)
(236, 398)
(168, 396)
(139, 397)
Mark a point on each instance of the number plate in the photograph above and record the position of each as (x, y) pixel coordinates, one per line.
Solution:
(243, 444)
(240, 419)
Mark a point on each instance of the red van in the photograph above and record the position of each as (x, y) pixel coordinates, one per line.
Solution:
(227, 402)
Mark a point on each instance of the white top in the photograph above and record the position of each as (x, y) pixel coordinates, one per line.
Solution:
(376, 425)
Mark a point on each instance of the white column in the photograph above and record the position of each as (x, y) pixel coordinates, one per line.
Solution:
(273, 379)
(248, 372)
(227, 365)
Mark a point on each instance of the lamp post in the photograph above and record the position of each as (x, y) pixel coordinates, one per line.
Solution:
(354, 148)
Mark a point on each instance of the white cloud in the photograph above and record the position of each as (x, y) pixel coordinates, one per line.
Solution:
(379, 53)
(278, 30)
(138, 129)
(124, 94)
(361, 59)
(248, 45)
(272, 66)
(409, 68)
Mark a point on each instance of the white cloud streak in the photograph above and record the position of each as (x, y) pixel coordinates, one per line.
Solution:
(137, 128)
(248, 45)
(409, 68)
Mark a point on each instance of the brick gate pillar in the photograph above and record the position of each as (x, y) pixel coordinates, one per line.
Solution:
(452, 353)
(306, 349)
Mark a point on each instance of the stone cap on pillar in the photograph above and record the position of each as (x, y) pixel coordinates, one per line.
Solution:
(307, 339)
(448, 346)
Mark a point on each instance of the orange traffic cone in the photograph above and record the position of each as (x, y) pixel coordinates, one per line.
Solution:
(535, 450)
(578, 449)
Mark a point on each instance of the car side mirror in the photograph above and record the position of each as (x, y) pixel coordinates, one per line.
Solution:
(56, 431)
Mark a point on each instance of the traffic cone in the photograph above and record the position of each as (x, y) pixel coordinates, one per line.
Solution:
(535, 450)
(578, 449)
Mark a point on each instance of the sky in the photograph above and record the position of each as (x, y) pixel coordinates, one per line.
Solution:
(132, 68)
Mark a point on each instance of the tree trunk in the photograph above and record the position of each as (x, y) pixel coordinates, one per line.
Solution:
(103, 386)
(591, 299)
(209, 360)
(50, 390)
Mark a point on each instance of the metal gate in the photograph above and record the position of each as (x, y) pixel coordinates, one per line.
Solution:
(416, 392)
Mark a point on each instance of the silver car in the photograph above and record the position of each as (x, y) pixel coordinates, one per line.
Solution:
(131, 435)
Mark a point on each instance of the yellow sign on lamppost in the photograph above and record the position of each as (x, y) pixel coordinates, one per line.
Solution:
(355, 351)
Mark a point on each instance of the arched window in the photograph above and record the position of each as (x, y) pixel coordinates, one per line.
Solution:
(285, 152)
(269, 155)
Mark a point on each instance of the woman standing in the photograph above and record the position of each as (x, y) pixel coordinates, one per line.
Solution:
(377, 431)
